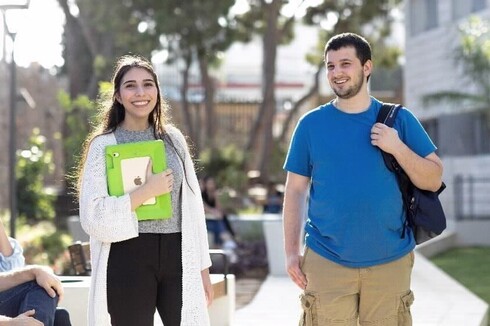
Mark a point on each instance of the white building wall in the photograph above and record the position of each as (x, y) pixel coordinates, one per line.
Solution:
(470, 232)
(430, 66)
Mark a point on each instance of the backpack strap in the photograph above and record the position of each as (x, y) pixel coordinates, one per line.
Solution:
(387, 115)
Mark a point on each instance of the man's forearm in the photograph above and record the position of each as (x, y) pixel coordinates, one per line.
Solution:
(13, 278)
(294, 211)
(291, 235)
(425, 173)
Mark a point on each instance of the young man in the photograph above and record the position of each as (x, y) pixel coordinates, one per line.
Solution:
(358, 256)
(28, 296)
(21, 296)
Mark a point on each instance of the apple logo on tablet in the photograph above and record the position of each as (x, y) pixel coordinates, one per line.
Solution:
(137, 181)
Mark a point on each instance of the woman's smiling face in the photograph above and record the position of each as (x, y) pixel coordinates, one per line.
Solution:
(138, 94)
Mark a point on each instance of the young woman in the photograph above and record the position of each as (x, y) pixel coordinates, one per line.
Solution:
(138, 266)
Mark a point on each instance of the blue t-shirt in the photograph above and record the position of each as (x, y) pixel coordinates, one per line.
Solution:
(355, 209)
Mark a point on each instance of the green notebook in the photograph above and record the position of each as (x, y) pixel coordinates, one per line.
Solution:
(126, 166)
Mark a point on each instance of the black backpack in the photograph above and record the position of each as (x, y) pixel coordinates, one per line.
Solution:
(424, 212)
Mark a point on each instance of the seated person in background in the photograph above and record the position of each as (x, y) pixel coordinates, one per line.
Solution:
(274, 199)
(28, 296)
(12, 257)
(216, 218)
(11, 253)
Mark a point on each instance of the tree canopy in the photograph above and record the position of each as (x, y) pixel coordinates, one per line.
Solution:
(97, 32)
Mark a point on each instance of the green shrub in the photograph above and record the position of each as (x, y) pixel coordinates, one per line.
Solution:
(33, 163)
(43, 244)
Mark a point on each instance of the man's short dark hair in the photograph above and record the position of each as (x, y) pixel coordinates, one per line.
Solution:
(363, 49)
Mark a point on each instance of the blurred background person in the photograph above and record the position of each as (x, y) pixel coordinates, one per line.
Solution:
(217, 220)
(273, 200)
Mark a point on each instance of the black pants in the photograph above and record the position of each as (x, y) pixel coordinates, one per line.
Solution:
(145, 273)
(61, 317)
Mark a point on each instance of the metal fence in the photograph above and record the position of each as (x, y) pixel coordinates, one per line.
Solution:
(472, 197)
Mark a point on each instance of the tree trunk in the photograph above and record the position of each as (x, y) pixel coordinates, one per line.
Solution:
(262, 128)
(79, 69)
(79, 58)
(86, 44)
(188, 122)
(294, 110)
(208, 85)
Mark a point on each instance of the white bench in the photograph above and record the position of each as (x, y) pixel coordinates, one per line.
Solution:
(76, 298)
(221, 311)
(272, 228)
(76, 289)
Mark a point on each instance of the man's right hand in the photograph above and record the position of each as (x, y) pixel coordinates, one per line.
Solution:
(49, 282)
(295, 272)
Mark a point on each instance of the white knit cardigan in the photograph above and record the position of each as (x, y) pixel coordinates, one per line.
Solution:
(109, 219)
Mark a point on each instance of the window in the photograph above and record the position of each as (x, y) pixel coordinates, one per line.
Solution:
(423, 16)
(460, 134)
(463, 8)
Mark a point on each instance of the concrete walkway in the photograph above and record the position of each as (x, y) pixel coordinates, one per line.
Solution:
(439, 301)
(276, 303)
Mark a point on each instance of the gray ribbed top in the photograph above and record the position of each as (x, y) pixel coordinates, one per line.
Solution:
(173, 224)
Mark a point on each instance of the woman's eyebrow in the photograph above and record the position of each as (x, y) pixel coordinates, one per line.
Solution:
(134, 81)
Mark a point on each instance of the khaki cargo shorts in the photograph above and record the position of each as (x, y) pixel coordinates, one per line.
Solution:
(342, 296)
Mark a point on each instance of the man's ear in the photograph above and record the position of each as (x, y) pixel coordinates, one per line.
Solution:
(368, 67)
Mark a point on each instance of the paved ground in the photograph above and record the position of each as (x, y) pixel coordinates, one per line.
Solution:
(246, 289)
(276, 303)
(439, 301)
